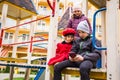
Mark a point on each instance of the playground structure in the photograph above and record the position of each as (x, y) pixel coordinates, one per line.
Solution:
(112, 59)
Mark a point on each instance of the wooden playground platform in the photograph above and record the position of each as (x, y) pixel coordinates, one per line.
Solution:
(96, 74)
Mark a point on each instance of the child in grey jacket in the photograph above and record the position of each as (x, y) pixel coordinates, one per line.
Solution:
(82, 55)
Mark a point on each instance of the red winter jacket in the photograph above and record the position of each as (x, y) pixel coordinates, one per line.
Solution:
(61, 52)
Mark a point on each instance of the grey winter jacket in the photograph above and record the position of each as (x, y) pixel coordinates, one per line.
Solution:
(85, 48)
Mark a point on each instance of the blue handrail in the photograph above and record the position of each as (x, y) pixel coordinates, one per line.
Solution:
(94, 30)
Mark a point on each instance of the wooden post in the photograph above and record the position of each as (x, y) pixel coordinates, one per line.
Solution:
(29, 54)
(3, 17)
(65, 5)
(113, 39)
(85, 7)
(14, 49)
(103, 26)
(32, 30)
(52, 38)
(27, 73)
(11, 73)
(15, 40)
(3, 21)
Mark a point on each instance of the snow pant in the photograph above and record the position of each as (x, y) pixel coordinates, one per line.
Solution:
(84, 68)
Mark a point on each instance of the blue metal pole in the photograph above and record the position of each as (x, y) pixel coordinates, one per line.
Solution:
(94, 29)
(39, 74)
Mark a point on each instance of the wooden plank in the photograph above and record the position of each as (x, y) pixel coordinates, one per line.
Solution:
(94, 74)
(13, 60)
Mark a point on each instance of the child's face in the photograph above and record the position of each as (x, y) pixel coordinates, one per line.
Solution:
(77, 12)
(69, 38)
(82, 34)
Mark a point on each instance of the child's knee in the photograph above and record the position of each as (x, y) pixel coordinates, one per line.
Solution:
(87, 65)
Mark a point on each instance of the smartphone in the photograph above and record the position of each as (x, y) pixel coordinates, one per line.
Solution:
(72, 54)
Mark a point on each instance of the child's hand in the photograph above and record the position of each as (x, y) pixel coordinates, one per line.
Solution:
(71, 59)
(78, 58)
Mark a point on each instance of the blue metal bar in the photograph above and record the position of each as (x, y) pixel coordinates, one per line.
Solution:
(39, 74)
(94, 30)
(23, 65)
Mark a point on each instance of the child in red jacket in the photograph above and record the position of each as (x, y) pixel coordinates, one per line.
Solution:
(63, 48)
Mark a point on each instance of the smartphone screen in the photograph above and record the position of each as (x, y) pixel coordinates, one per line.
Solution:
(72, 55)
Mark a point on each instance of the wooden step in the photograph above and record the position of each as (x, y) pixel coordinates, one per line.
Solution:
(99, 74)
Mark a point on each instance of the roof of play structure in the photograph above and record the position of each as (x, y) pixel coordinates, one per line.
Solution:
(19, 9)
(98, 3)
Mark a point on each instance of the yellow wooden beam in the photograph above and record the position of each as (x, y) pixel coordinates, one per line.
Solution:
(92, 2)
(34, 53)
(25, 17)
(18, 52)
(94, 74)
(13, 60)
(16, 18)
(10, 16)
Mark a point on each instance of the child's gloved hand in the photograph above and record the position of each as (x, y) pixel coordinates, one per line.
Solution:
(78, 58)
